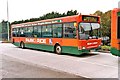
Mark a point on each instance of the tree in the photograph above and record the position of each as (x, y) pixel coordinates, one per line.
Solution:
(70, 13)
(98, 13)
(48, 16)
(105, 22)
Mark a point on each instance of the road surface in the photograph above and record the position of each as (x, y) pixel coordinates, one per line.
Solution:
(97, 65)
(12, 68)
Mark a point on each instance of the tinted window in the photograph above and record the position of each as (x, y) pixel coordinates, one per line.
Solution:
(47, 31)
(57, 30)
(39, 31)
(69, 30)
(29, 32)
(23, 32)
(15, 32)
(35, 31)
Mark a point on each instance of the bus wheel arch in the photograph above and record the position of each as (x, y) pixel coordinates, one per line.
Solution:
(22, 44)
(13, 41)
(57, 48)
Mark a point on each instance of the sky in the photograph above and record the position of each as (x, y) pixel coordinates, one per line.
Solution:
(26, 9)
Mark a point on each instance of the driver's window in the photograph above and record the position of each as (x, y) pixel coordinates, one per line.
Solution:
(82, 33)
(81, 29)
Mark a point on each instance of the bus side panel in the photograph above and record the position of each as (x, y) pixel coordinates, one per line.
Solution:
(39, 43)
(114, 41)
(70, 46)
(16, 41)
(40, 46)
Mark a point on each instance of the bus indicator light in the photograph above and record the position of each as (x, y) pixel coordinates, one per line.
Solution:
(75, 24)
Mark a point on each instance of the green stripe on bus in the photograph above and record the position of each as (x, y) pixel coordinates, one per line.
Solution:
(118, 13)
(16, 44)
(65, 49)
(114, 51)
(73, 50)
(40, 46)
(37, 46)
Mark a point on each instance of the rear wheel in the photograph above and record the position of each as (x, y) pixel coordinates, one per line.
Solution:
(58, 49)
(22, 45)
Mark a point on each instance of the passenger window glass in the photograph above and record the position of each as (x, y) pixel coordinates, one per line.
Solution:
(57, 30)
(69, 30)
(22, 32)
(15, 32)
(35, 31)
(43, 31)
(47, 31)
(39, 31)
(29, 32)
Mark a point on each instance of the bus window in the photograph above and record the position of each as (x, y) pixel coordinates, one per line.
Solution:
(57, 30)
(118, 32)
(89, 31)
(47, 31)
(23, 32)
(35, 31)
(39, 31)
(69, 30)
(29, 32)
(43, 30)
(96, 29)
(15, 32)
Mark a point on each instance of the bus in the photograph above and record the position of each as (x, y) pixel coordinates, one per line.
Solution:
(76, 34)
(115, 32)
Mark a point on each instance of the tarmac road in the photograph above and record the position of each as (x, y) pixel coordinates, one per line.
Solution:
(13, 68)
(101, 65)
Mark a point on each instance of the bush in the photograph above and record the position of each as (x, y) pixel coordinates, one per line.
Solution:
(105, 47)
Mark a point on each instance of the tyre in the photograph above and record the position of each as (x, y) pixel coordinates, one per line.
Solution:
(58, 49)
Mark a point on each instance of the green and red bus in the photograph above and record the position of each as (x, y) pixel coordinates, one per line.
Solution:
(76, 34)
(115, 31)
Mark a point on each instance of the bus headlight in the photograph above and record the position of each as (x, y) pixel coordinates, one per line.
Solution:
(99, 45)
(83, 48)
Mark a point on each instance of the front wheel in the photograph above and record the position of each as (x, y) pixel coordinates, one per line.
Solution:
(58, 49)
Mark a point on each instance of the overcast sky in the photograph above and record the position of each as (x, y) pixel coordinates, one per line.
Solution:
(25, 9)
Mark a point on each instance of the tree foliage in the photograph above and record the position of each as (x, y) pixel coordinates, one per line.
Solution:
(105, 22)
(48, 16)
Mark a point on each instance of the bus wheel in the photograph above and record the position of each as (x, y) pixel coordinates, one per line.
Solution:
(22, 45)
(58, 49)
